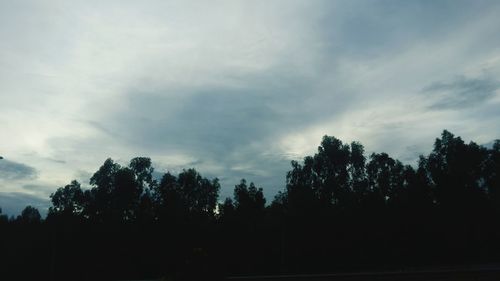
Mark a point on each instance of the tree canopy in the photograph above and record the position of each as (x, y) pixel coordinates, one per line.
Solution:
(339, 210)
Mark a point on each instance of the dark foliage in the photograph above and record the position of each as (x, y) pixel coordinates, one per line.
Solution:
(339, 211)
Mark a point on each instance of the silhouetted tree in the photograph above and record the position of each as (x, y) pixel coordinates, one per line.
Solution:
(198, 194)
(168, 197)
(126, 195)
(30, 215)
(455, 170)
(249, 201)
(99, 205)
(339, 211)
(385, 177)
(300, 194)
(143, 171)
(331, 165)
(226, 210)
(67, 201)
(189, 194)
(419, 186)
(492, 173)
(357, 170)
(4, 219)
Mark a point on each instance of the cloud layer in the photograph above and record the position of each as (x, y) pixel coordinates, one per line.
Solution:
(236, 89)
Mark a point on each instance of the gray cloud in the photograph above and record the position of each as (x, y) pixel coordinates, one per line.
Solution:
(40, 190)
(461, 92)
(227, 131)
(10, 170)
(370, 29)
(12, 203)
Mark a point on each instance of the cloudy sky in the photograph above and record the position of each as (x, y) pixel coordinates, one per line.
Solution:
(235, 88)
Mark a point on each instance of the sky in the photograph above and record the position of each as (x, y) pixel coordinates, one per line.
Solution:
(235, 89)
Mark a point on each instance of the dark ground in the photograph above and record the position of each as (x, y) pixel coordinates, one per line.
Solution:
(475, 273)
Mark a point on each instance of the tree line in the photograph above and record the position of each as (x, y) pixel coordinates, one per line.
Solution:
(339, 211)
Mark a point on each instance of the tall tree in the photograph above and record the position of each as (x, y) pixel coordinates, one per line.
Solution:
(99, 199)
(68, 200)
(384, 175)
(456, 170)
(126, 195)
(249, 201)
(199, 194)
(357, 170)
(492, 173)
(188, 194)
(30, 215)
(143, 171)
(331, 165)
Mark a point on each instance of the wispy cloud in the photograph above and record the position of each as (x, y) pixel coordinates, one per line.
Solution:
(461, 92)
